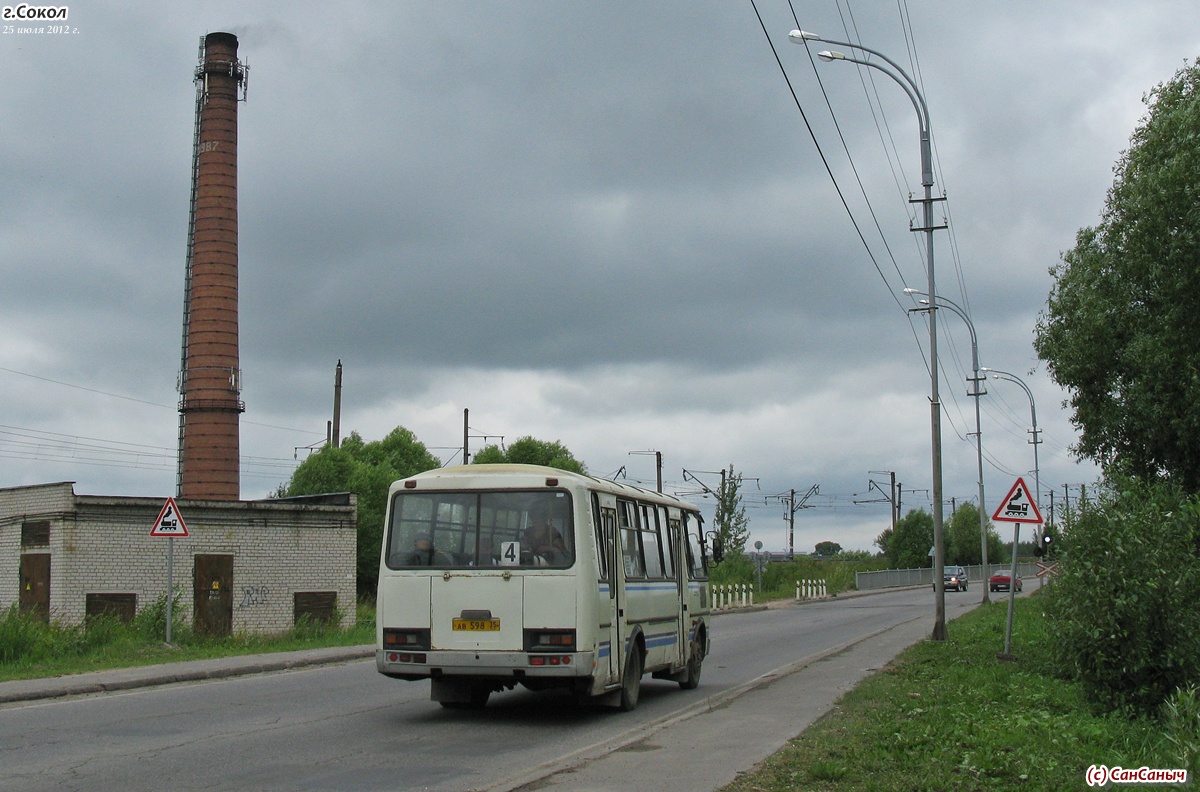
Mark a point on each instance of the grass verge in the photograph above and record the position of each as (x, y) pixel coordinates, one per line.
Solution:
(30, 649)
(952, 716)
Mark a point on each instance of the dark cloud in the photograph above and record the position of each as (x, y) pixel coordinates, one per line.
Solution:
(603, 224)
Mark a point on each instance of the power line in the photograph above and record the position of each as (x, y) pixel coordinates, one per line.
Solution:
(172, 407)
(820, 152)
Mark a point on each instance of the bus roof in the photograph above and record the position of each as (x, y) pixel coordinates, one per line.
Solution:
(483, 476)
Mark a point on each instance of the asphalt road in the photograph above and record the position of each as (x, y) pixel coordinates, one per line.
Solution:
(345, 727)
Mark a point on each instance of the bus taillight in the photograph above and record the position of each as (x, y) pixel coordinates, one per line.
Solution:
(405, 638)
(549, 640)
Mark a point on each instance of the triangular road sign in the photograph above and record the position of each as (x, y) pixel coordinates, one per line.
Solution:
(169, 522)
(1017, 506)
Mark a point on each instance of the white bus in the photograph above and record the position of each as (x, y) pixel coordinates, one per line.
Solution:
(497, 575)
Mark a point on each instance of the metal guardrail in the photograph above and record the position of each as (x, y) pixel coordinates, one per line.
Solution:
(892, 578)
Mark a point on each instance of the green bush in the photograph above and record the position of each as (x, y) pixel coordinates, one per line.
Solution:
(98, 632)
(1124, 604)
(1181, 728)
(150, 623)
(22, 637)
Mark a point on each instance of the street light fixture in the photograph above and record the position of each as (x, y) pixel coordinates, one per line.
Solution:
(901, 78)
(977, 391)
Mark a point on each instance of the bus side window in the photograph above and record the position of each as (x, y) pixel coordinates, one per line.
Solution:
(650, 542)
(672, 544)
(696, 560)
(631, 548)
(602, 522)
(670, 534)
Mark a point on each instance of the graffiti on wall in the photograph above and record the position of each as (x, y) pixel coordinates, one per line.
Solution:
(253, 596)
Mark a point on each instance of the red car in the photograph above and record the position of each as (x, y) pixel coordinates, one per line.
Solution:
(1001, 581)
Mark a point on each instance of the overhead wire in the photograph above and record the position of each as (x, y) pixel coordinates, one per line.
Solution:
(820, 151)
(957, 362)
(18, 442)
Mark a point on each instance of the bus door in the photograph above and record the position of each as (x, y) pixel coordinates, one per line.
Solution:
(629, 566)
(604, 517)
(675, 544)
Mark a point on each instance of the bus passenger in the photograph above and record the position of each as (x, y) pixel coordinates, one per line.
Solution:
(541, 537)
(487, 555)
(422, 552)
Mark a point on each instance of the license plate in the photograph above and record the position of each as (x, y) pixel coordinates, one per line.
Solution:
(477, 625)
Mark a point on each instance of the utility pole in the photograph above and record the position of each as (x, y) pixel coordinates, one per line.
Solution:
(466, 437)
(336, 428)
(889, 496)
(657, 463)
(792, 507)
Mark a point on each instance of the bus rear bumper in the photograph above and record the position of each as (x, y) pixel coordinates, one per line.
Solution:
(509, 666)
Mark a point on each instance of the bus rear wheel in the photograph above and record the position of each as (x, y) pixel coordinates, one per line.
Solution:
(631, 680)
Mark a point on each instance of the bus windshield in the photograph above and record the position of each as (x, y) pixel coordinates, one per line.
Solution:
(509, 528)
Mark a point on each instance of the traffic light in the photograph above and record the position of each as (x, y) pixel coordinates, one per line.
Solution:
(1043, 547)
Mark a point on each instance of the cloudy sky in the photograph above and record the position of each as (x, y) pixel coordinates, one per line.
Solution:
(607, 224)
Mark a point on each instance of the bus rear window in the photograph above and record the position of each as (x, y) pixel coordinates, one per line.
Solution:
(481, 529)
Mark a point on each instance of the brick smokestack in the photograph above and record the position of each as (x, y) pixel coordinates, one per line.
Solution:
(210, 381)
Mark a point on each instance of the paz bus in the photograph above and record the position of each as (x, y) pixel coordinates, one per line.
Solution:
(494, 576)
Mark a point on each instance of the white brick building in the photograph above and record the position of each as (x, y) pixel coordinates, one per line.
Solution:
(251, 566)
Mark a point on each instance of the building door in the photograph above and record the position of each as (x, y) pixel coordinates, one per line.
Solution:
(35, 585)
(212, 602)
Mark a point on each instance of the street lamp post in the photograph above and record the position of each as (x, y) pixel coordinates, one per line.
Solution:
(977, 391)
(901, 78)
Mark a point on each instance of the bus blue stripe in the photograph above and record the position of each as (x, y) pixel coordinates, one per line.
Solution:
(660, 639)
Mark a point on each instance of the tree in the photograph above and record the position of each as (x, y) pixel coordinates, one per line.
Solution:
(530, 451)
(368, 470)
(730, 522)
(884, 540)
(1123, 605)
(962, 538)
(827, 548)
(909, 546)
(1121, 332)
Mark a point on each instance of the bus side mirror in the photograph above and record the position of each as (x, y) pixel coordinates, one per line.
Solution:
(718, 550)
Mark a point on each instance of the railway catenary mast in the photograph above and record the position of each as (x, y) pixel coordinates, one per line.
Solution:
(210, 403)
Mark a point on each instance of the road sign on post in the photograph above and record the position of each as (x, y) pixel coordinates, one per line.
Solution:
(1046, 569)
(1016, 508)
(170, 524)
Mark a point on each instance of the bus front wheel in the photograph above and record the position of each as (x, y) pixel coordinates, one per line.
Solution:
(691, 678)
